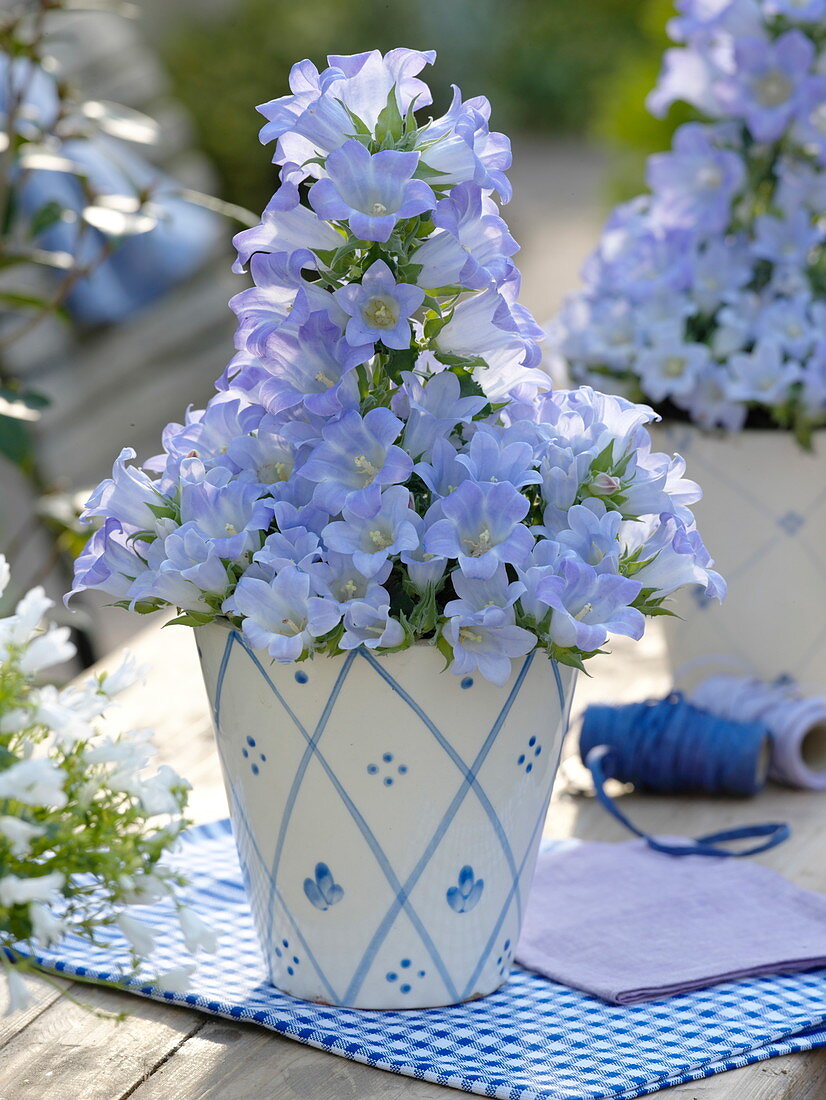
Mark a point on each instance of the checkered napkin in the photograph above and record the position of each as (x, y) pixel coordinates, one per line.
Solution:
(532, 1040)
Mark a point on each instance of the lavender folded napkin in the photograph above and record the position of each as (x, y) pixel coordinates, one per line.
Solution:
(629, 924)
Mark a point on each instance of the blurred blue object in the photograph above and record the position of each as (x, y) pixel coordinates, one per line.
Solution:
(158, 245)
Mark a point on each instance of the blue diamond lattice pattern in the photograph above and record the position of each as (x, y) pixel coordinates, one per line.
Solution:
(274, 908)
(531, 1040)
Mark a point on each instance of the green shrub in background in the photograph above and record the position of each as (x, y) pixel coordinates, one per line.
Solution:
(620, 117)
(543, 63)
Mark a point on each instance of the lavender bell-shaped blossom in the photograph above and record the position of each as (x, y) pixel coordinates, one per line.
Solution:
(786, 240)
(696, 181)
(490, 457)
(543, 562)
(295, 546)
(318, 116)
(444, 472)
(269, 456)
(129, 496)
(280, 616)
(108, 562)
(286, 227)
(355, 453)
(373, 527)
(336, 576)
(312, 367)
(370, 191)
(424, 570)
(481, 527)
(672, 367)
(460, 147)
(368, 622)
(280, 299)
(487, 640)
(483, 326)
(478, 594)
(195, 557)
(471, 245)
(674, 559)
(762, 374)
(232, 514)
(591, 536)
(767, 82)
(432, 408)
(588, 606)
(379, 308)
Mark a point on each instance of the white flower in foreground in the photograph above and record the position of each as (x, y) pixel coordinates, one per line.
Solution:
(35, 782)
(143, 890)
(132, 751)
(127, 673)
(156, 792)
(15, 720)
(197, 933)
(175, 980)
(51, 648)
(18, 993)
(54, 766)
(20, 891)
(19, 833)
(140, 935)
(4, 574)
(26, 618)
(46, 927)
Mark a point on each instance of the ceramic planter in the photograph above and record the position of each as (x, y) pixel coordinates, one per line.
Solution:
(387, 814)
(763, 517)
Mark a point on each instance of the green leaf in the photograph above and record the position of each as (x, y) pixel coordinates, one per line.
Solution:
(46, 216)
(445, 648)
(390, 124)
(16, 442)
(24, 301)
(192, 618)
(25, 405)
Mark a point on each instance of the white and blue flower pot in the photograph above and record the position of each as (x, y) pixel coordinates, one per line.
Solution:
(763, 518)
(387, 814)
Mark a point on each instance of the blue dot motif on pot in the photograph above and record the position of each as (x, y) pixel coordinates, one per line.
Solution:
(388, 771)
(252, 754)
(528, 758)
(405, 975)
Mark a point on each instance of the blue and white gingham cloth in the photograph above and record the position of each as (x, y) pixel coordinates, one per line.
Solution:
(532, 1040)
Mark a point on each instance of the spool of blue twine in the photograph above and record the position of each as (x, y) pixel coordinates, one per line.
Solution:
(671, 747)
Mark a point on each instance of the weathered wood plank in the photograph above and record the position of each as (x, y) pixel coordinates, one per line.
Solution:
(68, 1053)
(227, 1061)
(794, 1077)
(42, 993)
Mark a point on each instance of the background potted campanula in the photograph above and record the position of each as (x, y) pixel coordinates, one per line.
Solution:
(705, 298)
(395, 543)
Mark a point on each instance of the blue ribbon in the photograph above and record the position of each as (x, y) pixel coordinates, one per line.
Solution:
(709, 845)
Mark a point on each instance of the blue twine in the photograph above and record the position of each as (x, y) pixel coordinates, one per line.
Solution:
(670, 746)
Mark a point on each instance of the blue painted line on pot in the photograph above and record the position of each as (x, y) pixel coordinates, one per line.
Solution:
(368, 835)
(443, 742)
(233, 639)
(307, 755)
(443, 826)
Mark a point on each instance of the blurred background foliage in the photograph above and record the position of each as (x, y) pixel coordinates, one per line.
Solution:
(552, 68)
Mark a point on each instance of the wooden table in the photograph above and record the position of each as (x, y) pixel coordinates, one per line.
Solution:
(58, 1051)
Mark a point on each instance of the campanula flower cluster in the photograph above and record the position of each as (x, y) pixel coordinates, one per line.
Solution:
(708, 294)
(383, 462)
(62, 779)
